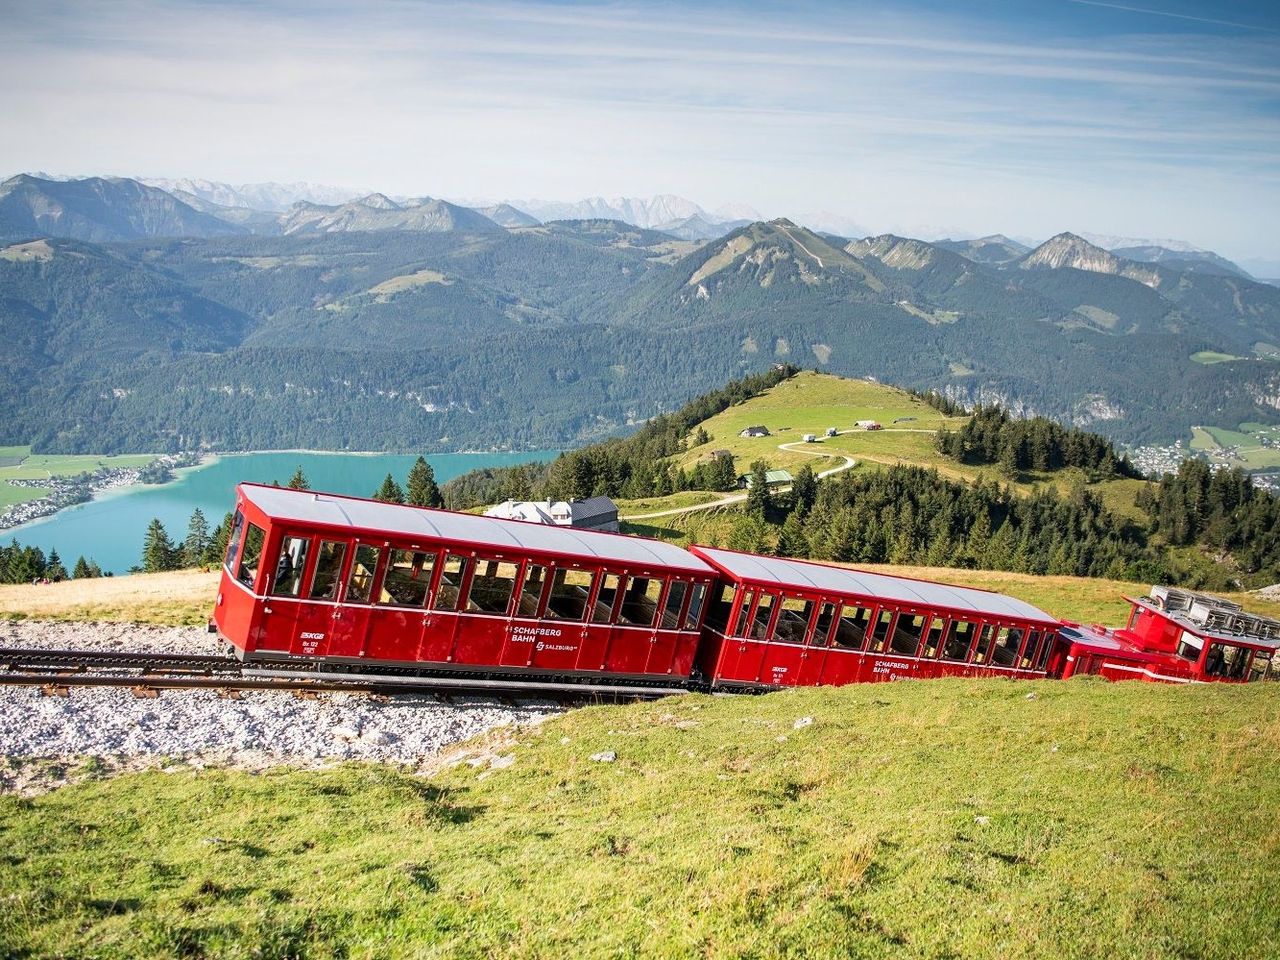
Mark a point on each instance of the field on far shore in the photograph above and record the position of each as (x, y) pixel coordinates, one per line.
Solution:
(186, 597)
(19, 463)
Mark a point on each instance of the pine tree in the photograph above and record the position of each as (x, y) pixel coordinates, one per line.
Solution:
(701, 437)
(299, 480)
(725, 475)
(196, 544)
(95, 570)
(81, 570)
(217, 548)
(54, 570)
(389, 492)
(759, 499)
(791, 539)
(422, 490)
(516, 486)
(804, 489)
(158, 551)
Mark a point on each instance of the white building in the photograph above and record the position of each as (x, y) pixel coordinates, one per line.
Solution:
(593, 513)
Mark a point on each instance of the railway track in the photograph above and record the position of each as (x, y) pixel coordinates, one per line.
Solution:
(56, 672)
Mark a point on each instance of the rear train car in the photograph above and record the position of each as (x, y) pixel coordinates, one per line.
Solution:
(774, 622)
(362, 585)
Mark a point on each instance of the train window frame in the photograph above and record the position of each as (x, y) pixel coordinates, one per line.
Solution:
(522, 609)
(720, 601)
(677, 590)
(556, 591)
(953, 631)
(845, 609)
(936, 622)
(1030, 646)
(697, 606)
(884, 617)
(796, 629)
(242, 565)
(744, 604)
(490, 606)
(767, 604)
(366, 598)
(614, 584)
(297, 565)
(320, 566)
(640, 609)
(1234, 667)
(982, 644)
(233, 541)
(426, 571)
(821, 637)
(1047, 641)
(911, 643)
(448, 595)
(1270, 671)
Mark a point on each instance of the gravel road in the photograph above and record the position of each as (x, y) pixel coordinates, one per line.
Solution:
(198, 728)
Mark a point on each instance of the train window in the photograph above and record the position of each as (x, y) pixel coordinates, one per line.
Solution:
(764, 613)
(721, 607)
(933, 639)
(671, 609)
(984, 644)
(451, 576)
(492, 585)
(852, 628)
(1226, 660)
(640, 601)
(233, 541)
(740, 624)
(906, 638)
(251, 556)
(360, 580)
(1262, 667)
(324, 582)
(1042, 656)
(1028, 657)
(959, 639)
(407, 578)
(1005, 652)
(880, 632)
(570, 591)
(290, 565)
(695, 606)
(793, 620)
(603, 612)
(1190, 646)
(535, 582)
(822, 629)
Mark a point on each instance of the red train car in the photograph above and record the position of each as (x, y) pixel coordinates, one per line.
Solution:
(344, 581)
(775, 622)
(1177, 636)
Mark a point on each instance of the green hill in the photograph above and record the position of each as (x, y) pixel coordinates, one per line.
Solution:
(947, 818)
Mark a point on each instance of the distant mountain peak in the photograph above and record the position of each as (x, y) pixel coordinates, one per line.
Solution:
(901, 253)
(1069, 250)
(379, 201)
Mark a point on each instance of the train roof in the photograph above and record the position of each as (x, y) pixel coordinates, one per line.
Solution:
(805, 575)
(1208, 632)
(334, 510)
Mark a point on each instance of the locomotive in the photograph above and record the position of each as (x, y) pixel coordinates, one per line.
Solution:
(320, 584)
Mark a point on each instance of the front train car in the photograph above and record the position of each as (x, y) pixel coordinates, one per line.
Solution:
(1177, 636)
(358, 585)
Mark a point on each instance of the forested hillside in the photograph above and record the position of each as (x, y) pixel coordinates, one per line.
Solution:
(423, 326)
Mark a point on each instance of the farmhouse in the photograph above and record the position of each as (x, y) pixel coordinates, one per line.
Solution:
(773, 478)
(760, 431)
(593, 513)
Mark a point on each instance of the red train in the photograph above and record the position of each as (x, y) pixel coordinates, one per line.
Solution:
(325, 584)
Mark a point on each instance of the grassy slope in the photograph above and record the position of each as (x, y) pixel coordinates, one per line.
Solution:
(939, 819)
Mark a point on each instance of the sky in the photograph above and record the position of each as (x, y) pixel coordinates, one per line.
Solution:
(1155, 118)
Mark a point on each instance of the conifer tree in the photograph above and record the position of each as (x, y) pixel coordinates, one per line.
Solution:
(196, 545)
(389, 492)
(422, 490)
(217, 548)
(299, 480)
(158, 551)
(81, 570)
(54, 570)
(759, 499)
(804, 489)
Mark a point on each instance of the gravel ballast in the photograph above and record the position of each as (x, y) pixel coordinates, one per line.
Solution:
(197, 727)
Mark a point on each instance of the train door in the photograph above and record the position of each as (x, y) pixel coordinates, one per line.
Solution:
(638, 618)
(785, 652)
(399, 612)
(316, 614)
(352, 614)
(666, 636)
(622, 653)
(688, 640)
(736, 631)
(814, 657)
(569, 599)
(282, 608)
(486, 611)
(843, 661)
(526, 627)
(755, 633)
(440, 625)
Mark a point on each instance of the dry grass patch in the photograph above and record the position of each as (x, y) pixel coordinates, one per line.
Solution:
(183, 597)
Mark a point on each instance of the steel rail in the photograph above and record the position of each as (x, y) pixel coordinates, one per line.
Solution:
(48, 659)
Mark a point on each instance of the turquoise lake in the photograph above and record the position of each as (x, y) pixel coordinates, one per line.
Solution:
(110, 529)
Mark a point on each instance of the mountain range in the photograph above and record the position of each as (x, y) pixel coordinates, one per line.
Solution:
(131, 319)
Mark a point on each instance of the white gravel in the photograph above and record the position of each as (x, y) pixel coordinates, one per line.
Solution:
(199, 728)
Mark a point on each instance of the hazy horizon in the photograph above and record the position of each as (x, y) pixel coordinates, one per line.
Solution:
(1153, 122)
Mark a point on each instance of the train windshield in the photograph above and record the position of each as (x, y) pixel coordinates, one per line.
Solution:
(1226, 661)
